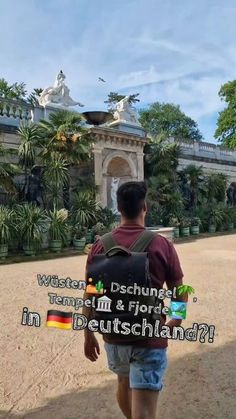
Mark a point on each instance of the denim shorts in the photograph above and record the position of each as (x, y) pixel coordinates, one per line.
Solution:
(144, 367)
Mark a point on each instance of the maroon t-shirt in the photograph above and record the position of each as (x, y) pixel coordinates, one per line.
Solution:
(164, 267)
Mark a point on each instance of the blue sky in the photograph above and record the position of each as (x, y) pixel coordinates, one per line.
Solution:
(178, 51)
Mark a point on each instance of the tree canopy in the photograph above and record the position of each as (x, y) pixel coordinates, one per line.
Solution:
(12, 91)
(226, 123)
(168, 119)
(18, 91)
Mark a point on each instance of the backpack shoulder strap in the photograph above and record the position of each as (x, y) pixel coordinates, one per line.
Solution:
(143, 241)
(107, 241)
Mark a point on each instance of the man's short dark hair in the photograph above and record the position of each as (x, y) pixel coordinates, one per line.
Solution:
(131, 198)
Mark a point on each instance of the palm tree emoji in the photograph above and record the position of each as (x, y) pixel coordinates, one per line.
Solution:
(183, 289)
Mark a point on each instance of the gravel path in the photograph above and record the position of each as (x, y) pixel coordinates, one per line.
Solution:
(44, 374)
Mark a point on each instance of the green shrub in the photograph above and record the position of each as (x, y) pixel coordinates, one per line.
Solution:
(58, 224)
(6, 227)
(174, 222)
(184, 222)
(195, 221)
(31, 222)
(105, 216)
(99, 229)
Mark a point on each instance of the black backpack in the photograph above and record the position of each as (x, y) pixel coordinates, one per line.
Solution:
(124, 267)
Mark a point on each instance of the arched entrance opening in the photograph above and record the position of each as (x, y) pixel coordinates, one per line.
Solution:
(118, 172)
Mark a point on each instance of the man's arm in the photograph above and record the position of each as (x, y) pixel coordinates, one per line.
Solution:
(91, 345)
(87, 311)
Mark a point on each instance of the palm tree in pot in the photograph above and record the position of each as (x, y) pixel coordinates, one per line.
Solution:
(14, 240)
(234, 216)
(84, 214)
(5, 230)
(7, 172)
(215, 217)
(195, 224)
(174, 222)
(79, 239)
(229, 218)
(31, 224)
(57, 229)
(201, 212)
(84, 208)
(184, 226)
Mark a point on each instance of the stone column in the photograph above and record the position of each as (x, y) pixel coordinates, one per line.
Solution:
(98, 172)
(140, 168)
(103, 196)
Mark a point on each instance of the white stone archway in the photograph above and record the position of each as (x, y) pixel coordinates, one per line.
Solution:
(116, 164)
(116, 154)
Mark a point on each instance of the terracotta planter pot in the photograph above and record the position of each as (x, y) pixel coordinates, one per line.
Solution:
(212, 229)
(185, 231)
(29, 250)
(176, 232)
(56, 246)
(194, 230)
(13, 244)
(89, 237)
(79, 244)
(3, 251)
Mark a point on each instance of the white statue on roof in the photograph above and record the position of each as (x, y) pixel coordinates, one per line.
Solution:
(58, 94)
(125, 112)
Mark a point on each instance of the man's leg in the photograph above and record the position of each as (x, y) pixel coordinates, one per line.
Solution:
(124, 395)
(147, 368)
(118, 357)
(144, 404)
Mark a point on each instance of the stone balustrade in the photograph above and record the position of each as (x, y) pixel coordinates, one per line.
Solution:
(186, 145)
(202, 149)
(13, 112)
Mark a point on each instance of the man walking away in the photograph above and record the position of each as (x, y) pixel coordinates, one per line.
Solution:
(139, 364)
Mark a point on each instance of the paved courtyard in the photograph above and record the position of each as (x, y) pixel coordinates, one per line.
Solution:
(45, 375)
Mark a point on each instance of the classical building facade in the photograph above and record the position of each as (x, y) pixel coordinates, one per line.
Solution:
(117, 149)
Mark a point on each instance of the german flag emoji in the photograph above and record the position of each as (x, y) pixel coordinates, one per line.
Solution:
(59, 319)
